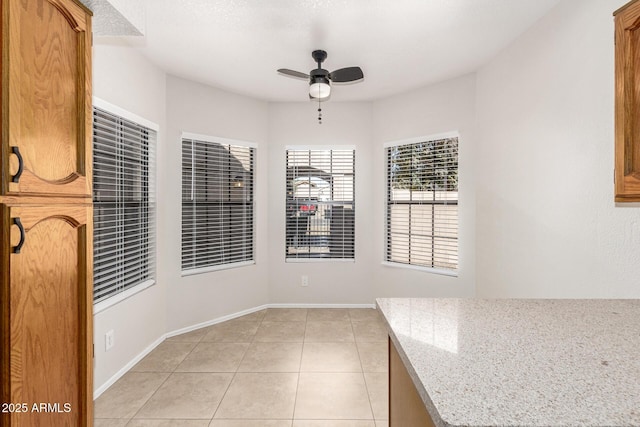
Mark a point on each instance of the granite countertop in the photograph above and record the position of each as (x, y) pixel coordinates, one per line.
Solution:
(482, 362)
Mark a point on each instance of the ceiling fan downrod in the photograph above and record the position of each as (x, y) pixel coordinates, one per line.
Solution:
(319, 56)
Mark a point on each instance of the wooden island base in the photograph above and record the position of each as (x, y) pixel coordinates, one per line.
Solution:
(406, 408)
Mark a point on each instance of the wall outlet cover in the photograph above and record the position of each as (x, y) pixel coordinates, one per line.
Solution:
(109, 340)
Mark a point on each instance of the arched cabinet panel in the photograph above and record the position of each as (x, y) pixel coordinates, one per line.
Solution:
(46, 98)
(46, 313)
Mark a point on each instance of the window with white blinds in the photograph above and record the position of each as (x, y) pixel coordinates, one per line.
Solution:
(217, 204)
(320, 204)
(422, 203)
(123, 204)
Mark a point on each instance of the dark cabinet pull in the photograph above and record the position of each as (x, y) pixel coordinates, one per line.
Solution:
(16, 249)
(16, 177)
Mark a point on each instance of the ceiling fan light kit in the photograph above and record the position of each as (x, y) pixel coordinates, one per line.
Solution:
(320, 80)
(320, 90)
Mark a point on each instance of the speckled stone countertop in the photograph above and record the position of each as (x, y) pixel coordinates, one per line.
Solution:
(521, 362)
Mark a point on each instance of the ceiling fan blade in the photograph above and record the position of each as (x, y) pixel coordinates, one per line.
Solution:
(294, 74)
(345, 75)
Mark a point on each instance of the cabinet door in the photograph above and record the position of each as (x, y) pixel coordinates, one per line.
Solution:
(46, 98)
(627, 103)
(46, 316)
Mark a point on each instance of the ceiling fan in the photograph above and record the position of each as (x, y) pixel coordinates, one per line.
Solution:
(320, 80)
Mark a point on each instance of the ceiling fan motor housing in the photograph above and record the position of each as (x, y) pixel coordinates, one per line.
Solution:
(319, 75)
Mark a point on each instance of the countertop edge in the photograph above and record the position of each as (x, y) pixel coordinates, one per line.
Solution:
(417, 382)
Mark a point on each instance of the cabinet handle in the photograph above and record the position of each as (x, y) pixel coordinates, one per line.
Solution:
(16, 177)
(16, 249)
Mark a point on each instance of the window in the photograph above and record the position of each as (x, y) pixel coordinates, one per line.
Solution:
(422, 203)
(320, 204)
(217, 203)
(123, 204)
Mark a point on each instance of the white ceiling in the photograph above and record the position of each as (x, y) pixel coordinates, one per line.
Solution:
(238, 45)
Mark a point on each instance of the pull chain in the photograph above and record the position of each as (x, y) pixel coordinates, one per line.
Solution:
(319, 113)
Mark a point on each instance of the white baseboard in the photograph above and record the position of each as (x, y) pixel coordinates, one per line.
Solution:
(321, 306)
(98, 391)
(216, 320)
(261, 307)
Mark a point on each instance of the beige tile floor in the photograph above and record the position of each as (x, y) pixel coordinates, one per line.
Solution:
(273, 368)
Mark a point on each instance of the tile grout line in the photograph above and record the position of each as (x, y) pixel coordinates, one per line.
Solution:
(150, 397)
(295, 399)
(165, 380)
(253, 340)
(235, 372)
(364, 378)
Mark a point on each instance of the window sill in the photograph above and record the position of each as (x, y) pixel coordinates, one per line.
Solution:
(439, 271)
(315, 260)
(202, 270)
(117, 298)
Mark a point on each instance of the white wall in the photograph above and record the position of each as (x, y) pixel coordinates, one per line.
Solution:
(546, 220)
(330, 282)
(195, 108)
(445, 107)
(124, 78)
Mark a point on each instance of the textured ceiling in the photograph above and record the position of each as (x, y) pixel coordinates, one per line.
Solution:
(116, 17)
(237, 45)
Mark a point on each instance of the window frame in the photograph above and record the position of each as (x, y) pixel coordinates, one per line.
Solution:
(231, 142)
(152, 170)
(309, 148)
(417, 267)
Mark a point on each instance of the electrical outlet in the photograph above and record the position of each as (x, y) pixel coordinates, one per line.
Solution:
(304, 281)
(109, 340)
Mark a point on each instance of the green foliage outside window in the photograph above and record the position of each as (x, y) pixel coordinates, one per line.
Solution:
(425, 166)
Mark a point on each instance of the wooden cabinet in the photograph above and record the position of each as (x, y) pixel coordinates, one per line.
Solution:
(46, 218)
(627, 103)
(46, 98)
(406, 408)
(46, 314)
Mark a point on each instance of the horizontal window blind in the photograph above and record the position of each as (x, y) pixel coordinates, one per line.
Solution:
(217, 204)
(422, 204)
(320, 204)
(123, 204)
